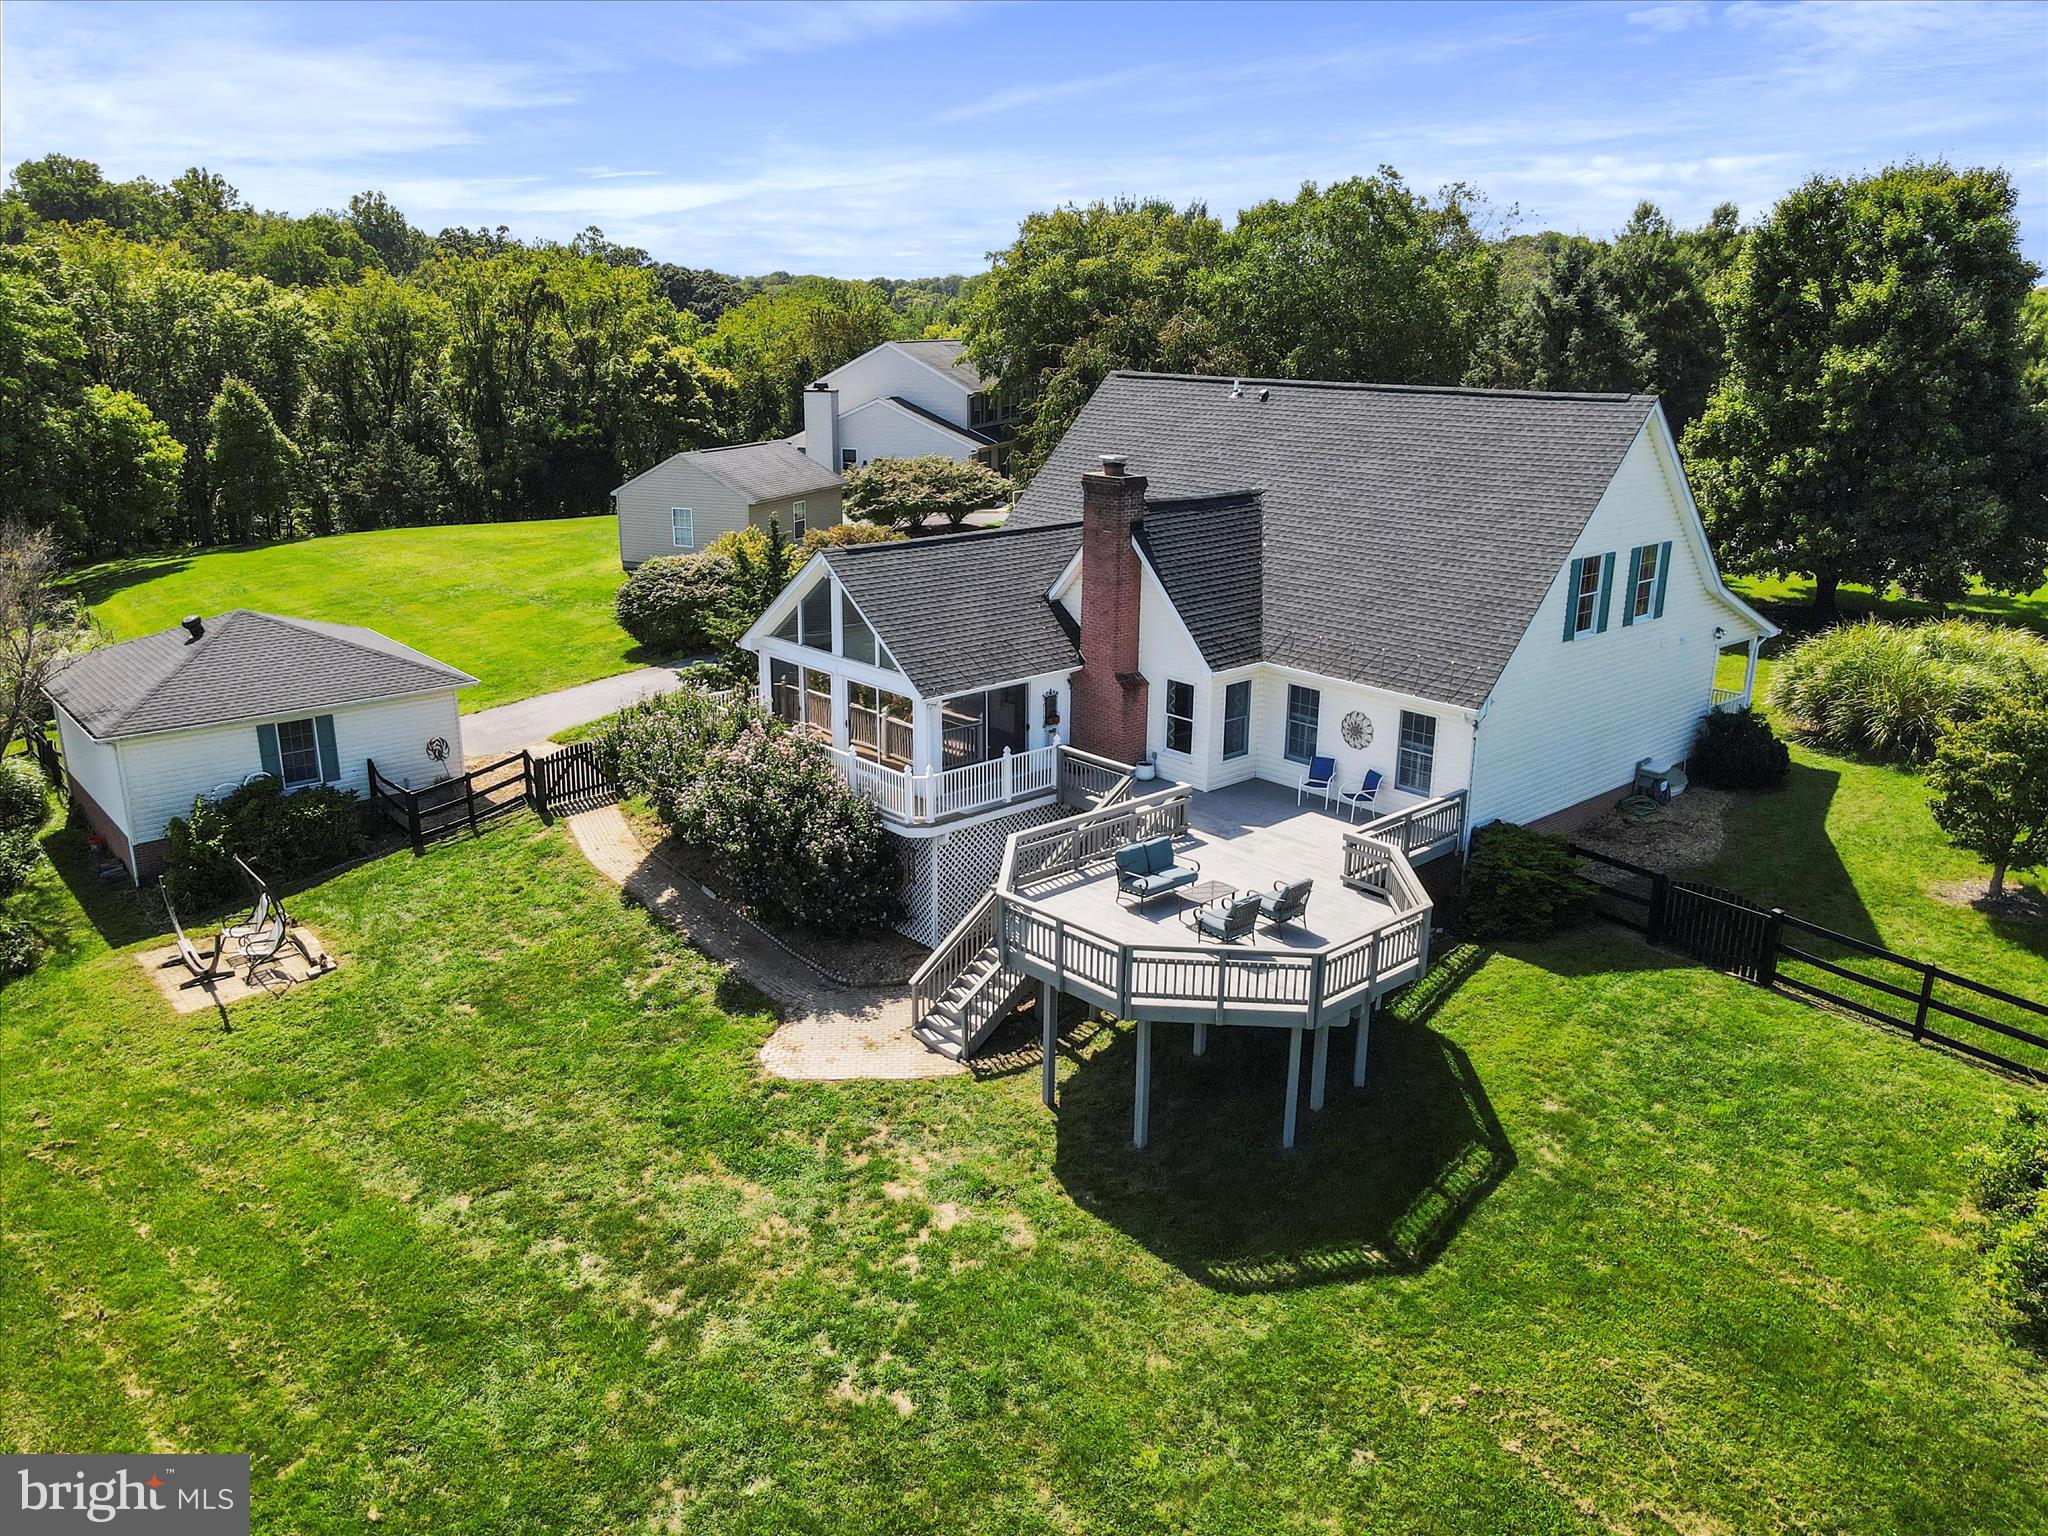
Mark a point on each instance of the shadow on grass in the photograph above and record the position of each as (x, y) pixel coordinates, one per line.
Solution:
(1380, 1181)
(112, 905)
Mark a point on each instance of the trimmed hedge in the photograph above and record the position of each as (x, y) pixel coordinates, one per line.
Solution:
(276, 834)
(2012, 1192)
(670, 605)
(1738, 750)
(24, 795)
(1520, 884)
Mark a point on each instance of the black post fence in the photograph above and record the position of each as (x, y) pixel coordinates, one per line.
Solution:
(569, 780)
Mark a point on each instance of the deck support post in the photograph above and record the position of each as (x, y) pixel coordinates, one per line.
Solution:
(1362, 1015)
(1319, 1073)
(1049, 1028)
(1141, 1107)
(1293, 1086)
(1201, 1037)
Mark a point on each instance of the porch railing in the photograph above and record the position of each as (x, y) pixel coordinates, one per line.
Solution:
(1731, 698)
(1090, 781)
(922, 798)
(1428, 829)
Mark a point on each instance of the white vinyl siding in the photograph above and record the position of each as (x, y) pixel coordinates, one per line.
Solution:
(96, 765)
(1569, 722)
(881, 429)
(883, 371)
(163, 774)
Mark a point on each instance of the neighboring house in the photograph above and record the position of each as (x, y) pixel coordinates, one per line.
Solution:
(1498, 593)
(904, 400)
(150, 724)
(689, 499)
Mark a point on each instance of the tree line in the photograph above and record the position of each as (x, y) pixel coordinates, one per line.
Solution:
(177, 367)
(1858, 378)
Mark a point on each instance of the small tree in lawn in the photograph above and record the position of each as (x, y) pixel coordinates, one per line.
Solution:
(40, 623)
(1990, 785)
(904, 492)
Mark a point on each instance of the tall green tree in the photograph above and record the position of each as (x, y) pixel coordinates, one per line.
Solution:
(1366, 279)
(122, 486)
(252, 466)
(1570, 334)
(1659, 280)
(776, 343)
(673, 401)
(40, 375)
(1084, 291)
(1873, 425)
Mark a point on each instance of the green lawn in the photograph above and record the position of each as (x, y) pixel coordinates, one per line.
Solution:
(523, 607)
(497, 1229)
(1784, 597)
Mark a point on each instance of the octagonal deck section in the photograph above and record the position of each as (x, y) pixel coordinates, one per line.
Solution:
(1248, 836)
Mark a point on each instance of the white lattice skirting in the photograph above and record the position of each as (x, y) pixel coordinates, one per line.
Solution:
(948, 873)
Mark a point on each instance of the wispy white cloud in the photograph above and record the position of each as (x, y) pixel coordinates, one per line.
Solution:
(1019, 97)
(1668, 16)
(725, 35)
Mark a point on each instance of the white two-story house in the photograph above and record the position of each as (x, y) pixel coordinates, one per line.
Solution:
(1502, 595)
(904, 400)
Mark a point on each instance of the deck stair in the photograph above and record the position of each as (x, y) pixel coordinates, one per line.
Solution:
(979, 997)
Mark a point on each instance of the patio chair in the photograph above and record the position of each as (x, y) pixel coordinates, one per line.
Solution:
(1226, 920)
(259, 916)
(1286, 903)
(204, 970)
(1357, 799)
(1320, 779)
(267, 942)
(1151, 868)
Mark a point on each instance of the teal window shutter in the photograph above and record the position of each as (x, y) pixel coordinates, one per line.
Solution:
(330, 760)
(266, 748)
(1571, 599)
(1606, 589)
(1663, 575)
(1628, 593)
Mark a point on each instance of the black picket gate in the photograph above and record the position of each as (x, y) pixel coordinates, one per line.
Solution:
(562, 783)
(1717, 927)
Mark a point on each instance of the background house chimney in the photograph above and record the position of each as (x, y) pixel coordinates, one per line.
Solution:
(1109, 692)
(821, 425)
(194, 625)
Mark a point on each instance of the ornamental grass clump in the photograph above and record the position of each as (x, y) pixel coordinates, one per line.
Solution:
(1888, 690)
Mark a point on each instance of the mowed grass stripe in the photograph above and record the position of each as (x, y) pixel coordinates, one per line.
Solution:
(525, 608)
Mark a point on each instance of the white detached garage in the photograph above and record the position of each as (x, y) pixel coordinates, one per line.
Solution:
(150, 724)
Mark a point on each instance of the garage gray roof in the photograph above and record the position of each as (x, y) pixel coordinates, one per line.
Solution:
(966, 610)
(1406, 536)
(765, 471)
(244, 666)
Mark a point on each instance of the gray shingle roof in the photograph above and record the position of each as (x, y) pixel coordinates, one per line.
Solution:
(966, 610)
(765, 471)
(972, 434)
(246, 666)
(950, 356)
(1408, 534)
(1206, 551)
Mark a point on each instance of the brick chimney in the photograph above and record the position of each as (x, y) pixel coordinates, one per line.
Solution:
(1109, 692)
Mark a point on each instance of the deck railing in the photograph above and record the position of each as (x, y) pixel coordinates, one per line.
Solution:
(1427, 828)
(1731, 698)
(922, 798)
(1188, 981)
(970, 936)
(1090, 781)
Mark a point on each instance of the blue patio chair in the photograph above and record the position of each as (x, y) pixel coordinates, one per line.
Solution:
(1226, 920)
(1285, 903)
(1321, 775)
(1357, 799)
(1151, 868)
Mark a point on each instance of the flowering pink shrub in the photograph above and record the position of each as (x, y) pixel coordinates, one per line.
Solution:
(791, 840)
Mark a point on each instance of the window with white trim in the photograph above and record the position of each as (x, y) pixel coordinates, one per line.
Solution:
(298, 753)
(814, 615)
(796, 519)
(1646, 580)
(1237, 718)
(682, 527)
(1587, 613)
(1304, 711)
(847, 459)
(1415, 763)
(1180, 717)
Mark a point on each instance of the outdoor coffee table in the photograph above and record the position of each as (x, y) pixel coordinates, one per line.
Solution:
(1206, 891)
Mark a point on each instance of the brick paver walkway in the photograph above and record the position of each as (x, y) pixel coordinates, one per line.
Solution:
(829, 1032)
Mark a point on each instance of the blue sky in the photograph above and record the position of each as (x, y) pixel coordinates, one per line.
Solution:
(906, 139)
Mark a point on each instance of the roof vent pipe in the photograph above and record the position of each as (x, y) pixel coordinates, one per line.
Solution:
(1113, 463)
(1237, 389)
(194, 625)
